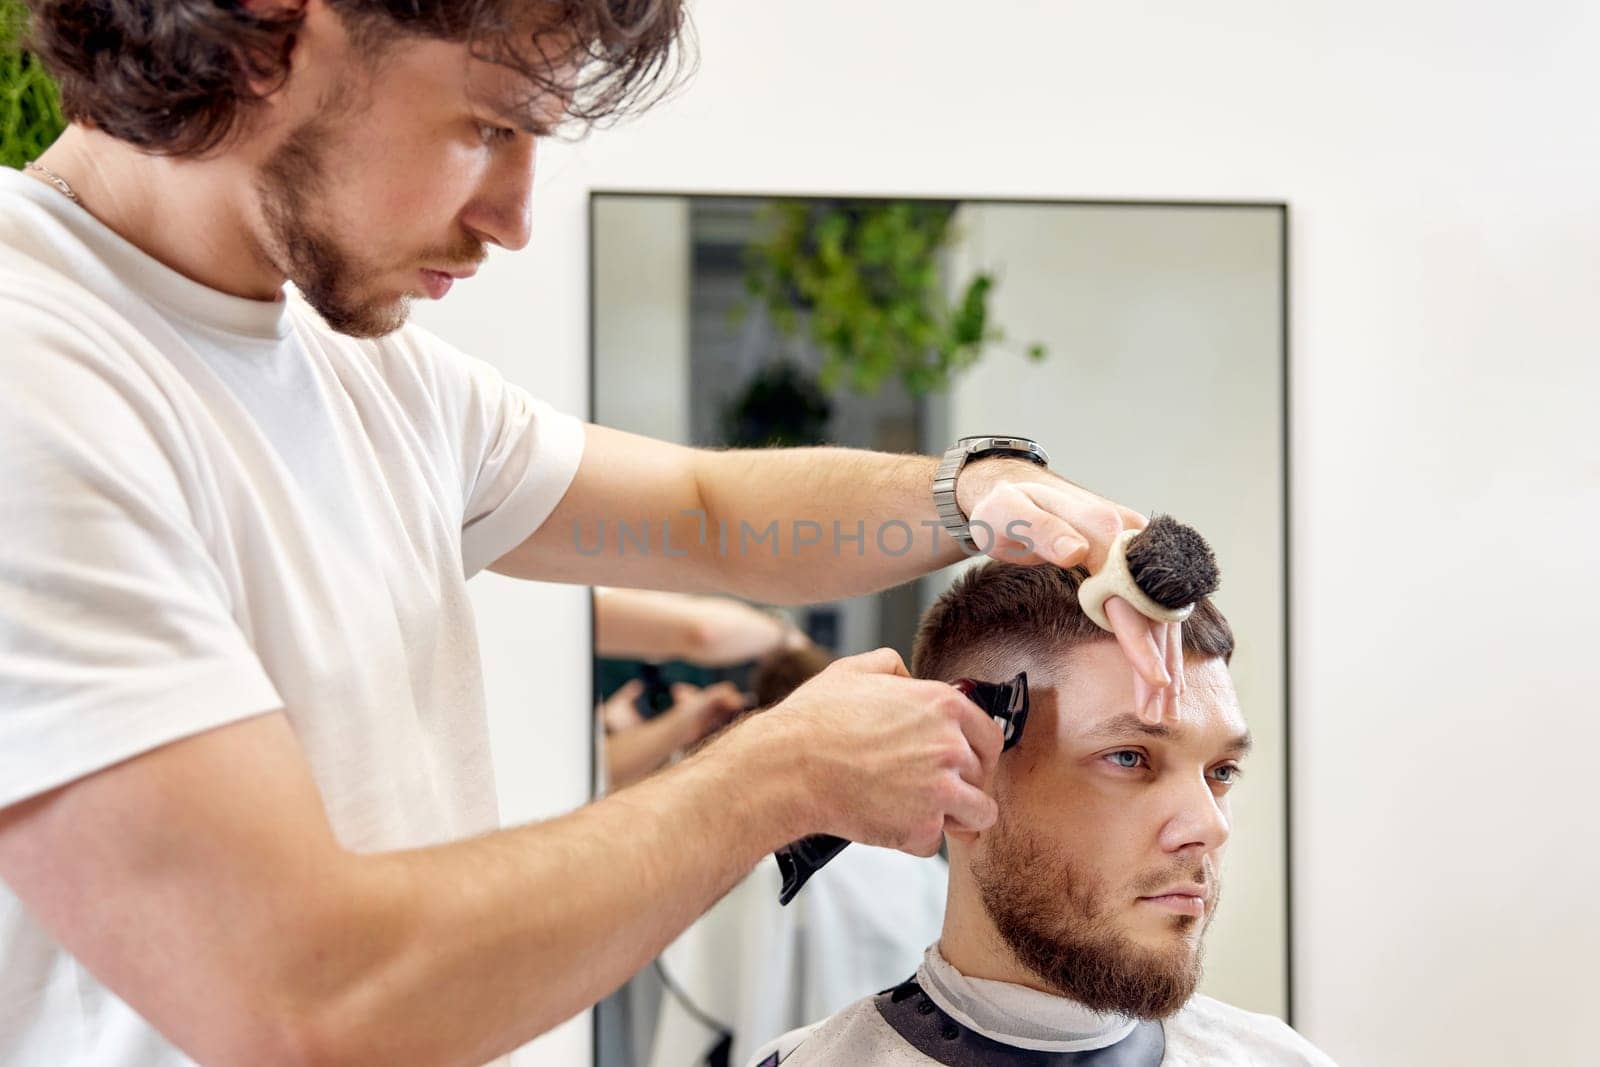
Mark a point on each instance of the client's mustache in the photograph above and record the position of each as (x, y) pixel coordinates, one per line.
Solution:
(1203, 877)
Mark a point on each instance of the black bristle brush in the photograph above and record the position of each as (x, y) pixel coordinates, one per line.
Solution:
(1161, 571)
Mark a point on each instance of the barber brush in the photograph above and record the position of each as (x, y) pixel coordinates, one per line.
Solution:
(1161, 571)
(1005, 702)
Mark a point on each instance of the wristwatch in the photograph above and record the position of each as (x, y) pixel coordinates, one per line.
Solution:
(958, 456)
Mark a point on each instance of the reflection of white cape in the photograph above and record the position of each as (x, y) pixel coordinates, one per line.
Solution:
(860, 925)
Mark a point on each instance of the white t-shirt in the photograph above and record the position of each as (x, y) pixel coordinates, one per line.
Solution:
(217, 507)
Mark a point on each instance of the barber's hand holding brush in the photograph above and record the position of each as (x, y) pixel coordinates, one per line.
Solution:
(1146, 577)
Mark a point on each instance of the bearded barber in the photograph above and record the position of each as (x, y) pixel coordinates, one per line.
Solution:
(246, 801)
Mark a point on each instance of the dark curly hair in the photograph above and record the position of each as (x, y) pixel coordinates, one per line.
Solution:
(175, 78)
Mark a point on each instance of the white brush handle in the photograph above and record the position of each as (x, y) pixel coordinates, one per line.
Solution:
(1114, 579)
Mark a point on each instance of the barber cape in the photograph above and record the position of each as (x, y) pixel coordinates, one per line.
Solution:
(941, 1016)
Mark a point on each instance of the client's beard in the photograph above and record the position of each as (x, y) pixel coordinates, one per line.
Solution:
(1055, 920)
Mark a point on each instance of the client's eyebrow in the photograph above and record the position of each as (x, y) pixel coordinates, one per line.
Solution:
(1119, 728)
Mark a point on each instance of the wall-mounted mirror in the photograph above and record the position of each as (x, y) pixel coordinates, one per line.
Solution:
(1142, 343)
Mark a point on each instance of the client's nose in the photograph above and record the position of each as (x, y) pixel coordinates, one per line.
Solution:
(1197, 822)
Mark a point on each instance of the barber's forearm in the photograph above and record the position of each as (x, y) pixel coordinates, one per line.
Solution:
(465, 951)
(886, 499)
(711, 631)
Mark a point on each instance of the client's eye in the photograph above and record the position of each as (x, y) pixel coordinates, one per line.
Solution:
(1227, 774)
(1127, 758)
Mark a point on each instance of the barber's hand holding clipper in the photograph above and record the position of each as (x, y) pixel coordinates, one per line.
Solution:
(886, 759)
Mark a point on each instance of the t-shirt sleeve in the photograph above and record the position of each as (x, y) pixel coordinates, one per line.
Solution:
(116, 634)
(517, 454)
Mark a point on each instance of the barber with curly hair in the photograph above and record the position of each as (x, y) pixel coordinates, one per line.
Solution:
(247, 810)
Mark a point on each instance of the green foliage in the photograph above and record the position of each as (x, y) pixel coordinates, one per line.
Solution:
(781, 407)
(862, 278)
(30, 108)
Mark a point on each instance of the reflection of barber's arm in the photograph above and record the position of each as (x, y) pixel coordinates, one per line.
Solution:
(635, 746)
(708, 631)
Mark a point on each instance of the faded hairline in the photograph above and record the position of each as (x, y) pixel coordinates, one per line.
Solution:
(999, 659)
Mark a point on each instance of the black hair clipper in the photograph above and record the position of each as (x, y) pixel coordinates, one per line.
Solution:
(1005, 702)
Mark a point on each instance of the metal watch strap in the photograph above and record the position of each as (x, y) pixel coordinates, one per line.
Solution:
(958, 456)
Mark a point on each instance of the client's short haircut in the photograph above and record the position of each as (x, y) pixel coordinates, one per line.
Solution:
(999, 618)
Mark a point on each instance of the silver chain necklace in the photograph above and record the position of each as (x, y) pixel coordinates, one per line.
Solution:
(54, 179)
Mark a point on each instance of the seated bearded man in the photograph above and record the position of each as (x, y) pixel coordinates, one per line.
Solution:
(1073, 927)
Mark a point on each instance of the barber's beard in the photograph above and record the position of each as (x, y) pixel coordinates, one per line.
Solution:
(1057, 921)
(292, 183)
(339, 284)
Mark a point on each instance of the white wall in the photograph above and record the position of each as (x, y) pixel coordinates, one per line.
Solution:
(645, 385)
(1442, 164)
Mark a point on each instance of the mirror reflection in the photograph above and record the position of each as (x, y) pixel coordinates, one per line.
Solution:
(1141, 343)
